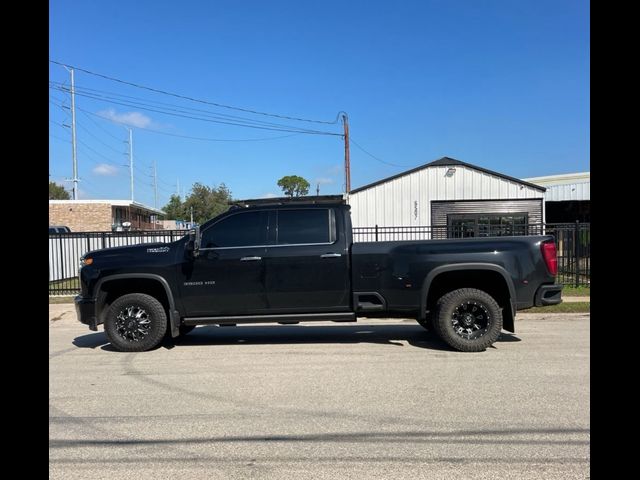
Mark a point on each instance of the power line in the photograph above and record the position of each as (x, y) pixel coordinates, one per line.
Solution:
(61, 105)
(220, 105)
(147, 102)
(376, 158)
(59, 124)
(86, 114)
(98, 153)
(170, 192)
(283, 128)
(207, 139)
(94, 161)
(98, 139)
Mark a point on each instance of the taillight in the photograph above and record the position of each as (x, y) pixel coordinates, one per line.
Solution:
(549, 254)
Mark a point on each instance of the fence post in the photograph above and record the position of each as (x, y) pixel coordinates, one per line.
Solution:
(576, 252)
(376, 232)
(61, 258)
(102, 235)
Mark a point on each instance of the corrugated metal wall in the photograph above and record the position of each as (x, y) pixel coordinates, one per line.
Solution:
(440, 210)
(570, 191)
(407, 200)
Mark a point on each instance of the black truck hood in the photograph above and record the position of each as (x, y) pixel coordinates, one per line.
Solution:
(131, 251)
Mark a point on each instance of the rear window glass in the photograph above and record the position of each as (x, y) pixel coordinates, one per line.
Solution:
(303, 226)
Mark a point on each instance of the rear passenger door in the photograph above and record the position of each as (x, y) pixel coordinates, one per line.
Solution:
(307, 267)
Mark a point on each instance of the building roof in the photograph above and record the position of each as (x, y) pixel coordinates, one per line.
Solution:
(566, 187)
(113, 203)
(563, 179)
(449, 162)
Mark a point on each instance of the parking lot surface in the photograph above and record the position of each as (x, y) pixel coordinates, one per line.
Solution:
(372, 399)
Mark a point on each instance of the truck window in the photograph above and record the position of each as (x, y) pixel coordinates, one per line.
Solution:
(240, 230)
(303, 226)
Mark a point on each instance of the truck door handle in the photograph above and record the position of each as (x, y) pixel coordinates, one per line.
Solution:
(250, 259)
(331, 255)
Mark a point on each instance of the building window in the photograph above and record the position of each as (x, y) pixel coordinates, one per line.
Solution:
(487, 225)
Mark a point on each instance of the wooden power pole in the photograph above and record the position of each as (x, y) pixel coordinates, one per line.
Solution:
(347, 163)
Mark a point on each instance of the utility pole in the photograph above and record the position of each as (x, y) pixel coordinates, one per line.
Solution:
(191, 217)
(73, 136)
(155, 185)
(178, 187)
(317, 189)
(131, 161)
(347, 163)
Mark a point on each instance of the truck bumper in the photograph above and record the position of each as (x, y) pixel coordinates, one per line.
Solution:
(86, 311)
(548, 295)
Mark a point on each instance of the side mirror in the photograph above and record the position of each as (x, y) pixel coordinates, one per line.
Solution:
(194, 242)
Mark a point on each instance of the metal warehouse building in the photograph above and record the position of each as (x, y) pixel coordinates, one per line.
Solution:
(453, 198)
(568, 197)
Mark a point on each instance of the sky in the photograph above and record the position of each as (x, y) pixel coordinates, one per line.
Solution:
(501, 84)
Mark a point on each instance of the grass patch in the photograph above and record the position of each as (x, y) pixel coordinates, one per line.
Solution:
(60, 299)
(566, 307)
(569, 291)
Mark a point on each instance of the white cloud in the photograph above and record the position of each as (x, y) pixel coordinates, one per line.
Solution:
(105, 169)
(324, 180)
(135, 119)
(269, 195)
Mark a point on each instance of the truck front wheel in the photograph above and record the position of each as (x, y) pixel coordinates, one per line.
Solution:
(135, 322)
(468, 319)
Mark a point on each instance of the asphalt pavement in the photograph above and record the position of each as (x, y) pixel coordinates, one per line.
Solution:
(372, 399)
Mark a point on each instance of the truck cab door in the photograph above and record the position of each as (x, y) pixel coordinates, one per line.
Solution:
(228, 275)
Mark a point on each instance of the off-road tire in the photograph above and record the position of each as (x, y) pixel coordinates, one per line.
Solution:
(468, 319)
(135, 322)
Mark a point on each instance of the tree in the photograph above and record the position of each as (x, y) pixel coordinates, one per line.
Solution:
(206, 202)
(57, 192)
(174, 209)
(293, 185)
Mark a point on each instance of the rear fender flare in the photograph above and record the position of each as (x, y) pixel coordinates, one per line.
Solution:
(467, 266)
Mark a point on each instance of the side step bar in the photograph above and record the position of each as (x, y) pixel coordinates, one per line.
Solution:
(286, 318)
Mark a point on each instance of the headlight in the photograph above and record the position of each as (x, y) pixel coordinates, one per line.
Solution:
(85, 261)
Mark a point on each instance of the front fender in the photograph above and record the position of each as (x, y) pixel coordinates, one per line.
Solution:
(174, 315)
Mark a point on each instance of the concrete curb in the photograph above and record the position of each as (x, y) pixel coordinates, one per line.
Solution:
(576, 299)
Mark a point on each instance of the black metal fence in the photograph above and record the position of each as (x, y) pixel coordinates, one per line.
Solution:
(573, 242)
(65, 250)
(425, 232)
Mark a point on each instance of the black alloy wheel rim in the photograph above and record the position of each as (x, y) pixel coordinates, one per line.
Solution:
(470, 320)
(133, 323)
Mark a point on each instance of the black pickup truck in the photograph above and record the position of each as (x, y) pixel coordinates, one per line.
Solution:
(288, 263)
